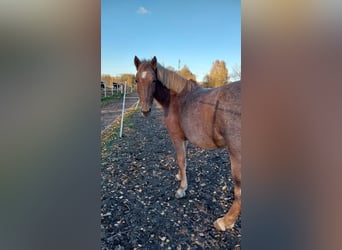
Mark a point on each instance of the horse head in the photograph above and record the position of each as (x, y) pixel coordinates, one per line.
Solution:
(146, 78)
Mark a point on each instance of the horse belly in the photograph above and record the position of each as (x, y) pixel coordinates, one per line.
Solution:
(200, 131)
(206, 142)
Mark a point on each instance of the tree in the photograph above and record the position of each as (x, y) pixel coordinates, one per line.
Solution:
(205, 82)
(107, 79)
(236, 75)
(186, 73)
(218, 75)
(128, 78)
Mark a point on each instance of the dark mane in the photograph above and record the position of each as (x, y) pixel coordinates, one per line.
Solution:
(173, 81)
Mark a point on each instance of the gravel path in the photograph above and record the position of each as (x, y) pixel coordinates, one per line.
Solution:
(139, 209)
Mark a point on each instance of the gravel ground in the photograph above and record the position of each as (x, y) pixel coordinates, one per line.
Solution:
(139, 209)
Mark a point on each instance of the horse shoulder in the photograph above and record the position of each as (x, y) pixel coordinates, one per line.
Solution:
(172, 120)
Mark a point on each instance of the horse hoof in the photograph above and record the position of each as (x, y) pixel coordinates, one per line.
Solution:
(178, 177)
(220, 225)
(180, 194)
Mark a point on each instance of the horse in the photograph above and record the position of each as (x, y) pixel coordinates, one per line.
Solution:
(208, 118)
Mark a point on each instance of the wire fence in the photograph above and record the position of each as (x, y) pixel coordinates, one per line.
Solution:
(117, 88)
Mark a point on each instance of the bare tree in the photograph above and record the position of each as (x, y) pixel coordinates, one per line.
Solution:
(236, 74)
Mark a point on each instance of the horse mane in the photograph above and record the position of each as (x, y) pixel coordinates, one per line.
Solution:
(173, 81)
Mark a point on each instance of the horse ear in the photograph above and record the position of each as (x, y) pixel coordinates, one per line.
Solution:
(154, 62)
(136, 62)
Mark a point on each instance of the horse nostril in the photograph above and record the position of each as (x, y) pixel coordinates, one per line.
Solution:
(146, 113)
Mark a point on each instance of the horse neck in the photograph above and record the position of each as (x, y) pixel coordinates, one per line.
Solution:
(175, 82)
(162, 95)
(167, 97)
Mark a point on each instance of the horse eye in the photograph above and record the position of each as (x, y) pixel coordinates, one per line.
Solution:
(136, 81)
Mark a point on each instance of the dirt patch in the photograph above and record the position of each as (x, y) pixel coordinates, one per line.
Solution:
(139, 209)
(112, 110)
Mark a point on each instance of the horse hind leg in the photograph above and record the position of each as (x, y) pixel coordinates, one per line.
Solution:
(180, 147)
(228, 221)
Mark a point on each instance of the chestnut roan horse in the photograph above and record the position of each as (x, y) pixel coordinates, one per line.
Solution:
(208, 118)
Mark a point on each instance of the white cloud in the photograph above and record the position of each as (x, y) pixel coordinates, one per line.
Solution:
(142, 11)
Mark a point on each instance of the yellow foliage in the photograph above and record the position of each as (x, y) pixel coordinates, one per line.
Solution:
(218, 75)
(186, 73)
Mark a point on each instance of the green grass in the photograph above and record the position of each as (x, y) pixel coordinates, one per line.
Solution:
(108, 99)
(111, 135)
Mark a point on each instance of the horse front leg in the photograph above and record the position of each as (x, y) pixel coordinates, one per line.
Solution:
(180, 147)
(228, 221)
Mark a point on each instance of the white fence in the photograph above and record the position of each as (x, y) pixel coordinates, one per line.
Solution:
(115, 89)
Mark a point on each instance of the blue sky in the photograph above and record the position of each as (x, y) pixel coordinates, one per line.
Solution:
(194, 32)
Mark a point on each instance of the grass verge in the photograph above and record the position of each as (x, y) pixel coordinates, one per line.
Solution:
(112, 134)
(108, 99)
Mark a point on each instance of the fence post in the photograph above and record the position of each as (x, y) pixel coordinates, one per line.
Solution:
(123, 109)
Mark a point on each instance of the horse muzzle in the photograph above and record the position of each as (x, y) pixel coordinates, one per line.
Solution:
(146, 112)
